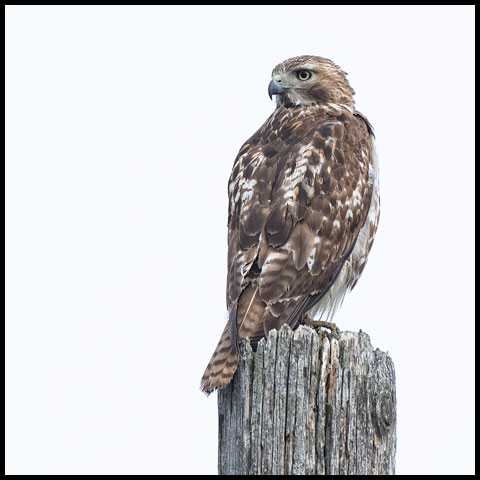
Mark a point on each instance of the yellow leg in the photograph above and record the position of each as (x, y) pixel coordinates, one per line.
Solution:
(308, 320)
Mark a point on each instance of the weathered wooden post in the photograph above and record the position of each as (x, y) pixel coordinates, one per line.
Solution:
(308, 403)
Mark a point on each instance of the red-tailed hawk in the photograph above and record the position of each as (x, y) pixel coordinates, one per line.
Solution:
(303, 210)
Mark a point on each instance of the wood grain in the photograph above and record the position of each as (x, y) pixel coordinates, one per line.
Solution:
(308, 403)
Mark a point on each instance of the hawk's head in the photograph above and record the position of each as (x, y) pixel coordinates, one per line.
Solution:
(307, 80)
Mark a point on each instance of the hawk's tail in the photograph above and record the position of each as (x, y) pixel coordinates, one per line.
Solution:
(222, 365)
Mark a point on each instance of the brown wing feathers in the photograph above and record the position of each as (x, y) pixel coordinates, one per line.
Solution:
(298, 196)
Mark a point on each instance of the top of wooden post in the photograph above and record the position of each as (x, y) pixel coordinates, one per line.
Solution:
(309, 402)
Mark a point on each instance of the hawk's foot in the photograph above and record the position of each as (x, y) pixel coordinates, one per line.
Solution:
(308, 320)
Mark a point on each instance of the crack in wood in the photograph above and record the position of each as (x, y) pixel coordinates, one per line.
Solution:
(309, 403)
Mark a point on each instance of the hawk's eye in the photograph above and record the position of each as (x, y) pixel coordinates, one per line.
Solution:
(304, 75)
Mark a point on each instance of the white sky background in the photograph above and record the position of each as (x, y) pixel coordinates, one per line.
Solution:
(122, 125)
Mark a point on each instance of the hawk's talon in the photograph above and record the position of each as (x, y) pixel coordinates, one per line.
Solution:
(308, 320)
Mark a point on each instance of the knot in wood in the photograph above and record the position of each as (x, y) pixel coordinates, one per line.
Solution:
(283, 413)
(385, 410)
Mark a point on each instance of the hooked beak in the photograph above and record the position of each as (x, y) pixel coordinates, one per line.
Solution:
(275, 89)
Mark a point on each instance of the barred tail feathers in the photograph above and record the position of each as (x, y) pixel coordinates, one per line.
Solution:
(222, 365)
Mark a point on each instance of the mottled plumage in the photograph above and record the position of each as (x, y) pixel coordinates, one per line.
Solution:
(303, 209)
